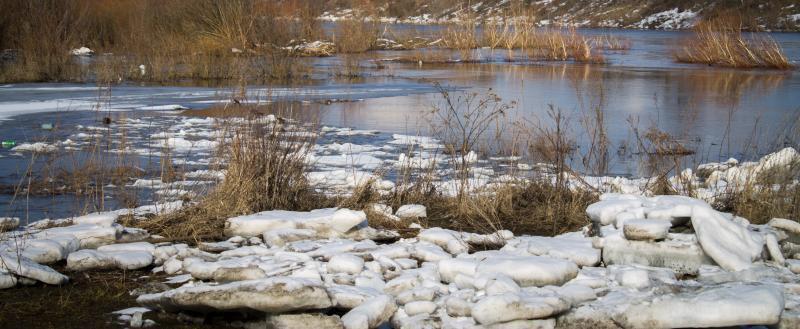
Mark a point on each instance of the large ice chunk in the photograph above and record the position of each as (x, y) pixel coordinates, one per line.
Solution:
(572, 247)
(646, 229)
(89, 235)
(329, 220)
(724, 306)
(270, 295)
(732, 245)
(371, 314)
(681, 253)
(24, 267)
(517, 306)
(530, 270)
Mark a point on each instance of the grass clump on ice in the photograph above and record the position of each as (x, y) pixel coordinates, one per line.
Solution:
(265, 170)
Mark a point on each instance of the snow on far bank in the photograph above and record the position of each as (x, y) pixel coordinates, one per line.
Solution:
(668, 20)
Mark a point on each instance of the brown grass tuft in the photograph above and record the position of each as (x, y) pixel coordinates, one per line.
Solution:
(265, 171)
(721, 42)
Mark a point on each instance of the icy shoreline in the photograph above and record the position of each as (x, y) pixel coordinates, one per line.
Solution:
(645, 261)
(642, 260)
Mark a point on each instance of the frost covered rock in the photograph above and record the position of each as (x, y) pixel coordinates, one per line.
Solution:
(517, 306)
(732, 245)
(27, 268)
(411, 211)
(371, 314)
(270, 295)
(723, 306)
(646, 229)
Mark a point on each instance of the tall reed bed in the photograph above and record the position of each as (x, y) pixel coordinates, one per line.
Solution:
(722, 42)
(538, 43)
(149, 40)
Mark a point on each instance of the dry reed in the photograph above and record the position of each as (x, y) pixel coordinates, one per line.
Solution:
(722, 42)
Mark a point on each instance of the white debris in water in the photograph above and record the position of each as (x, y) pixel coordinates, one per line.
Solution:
(37, 147)
(169, 107)
(422, 141)
(82, 51)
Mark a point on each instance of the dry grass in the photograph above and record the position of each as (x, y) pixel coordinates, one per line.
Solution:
(265, 170)
(611, 42)
(771, 194)
(355, 36)
(214, 40)
(721, 42)
(559, 45)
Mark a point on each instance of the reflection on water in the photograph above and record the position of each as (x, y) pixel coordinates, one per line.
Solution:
(715, 111)
(718, 113)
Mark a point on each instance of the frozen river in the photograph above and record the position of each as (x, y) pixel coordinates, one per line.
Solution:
(718, 113)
